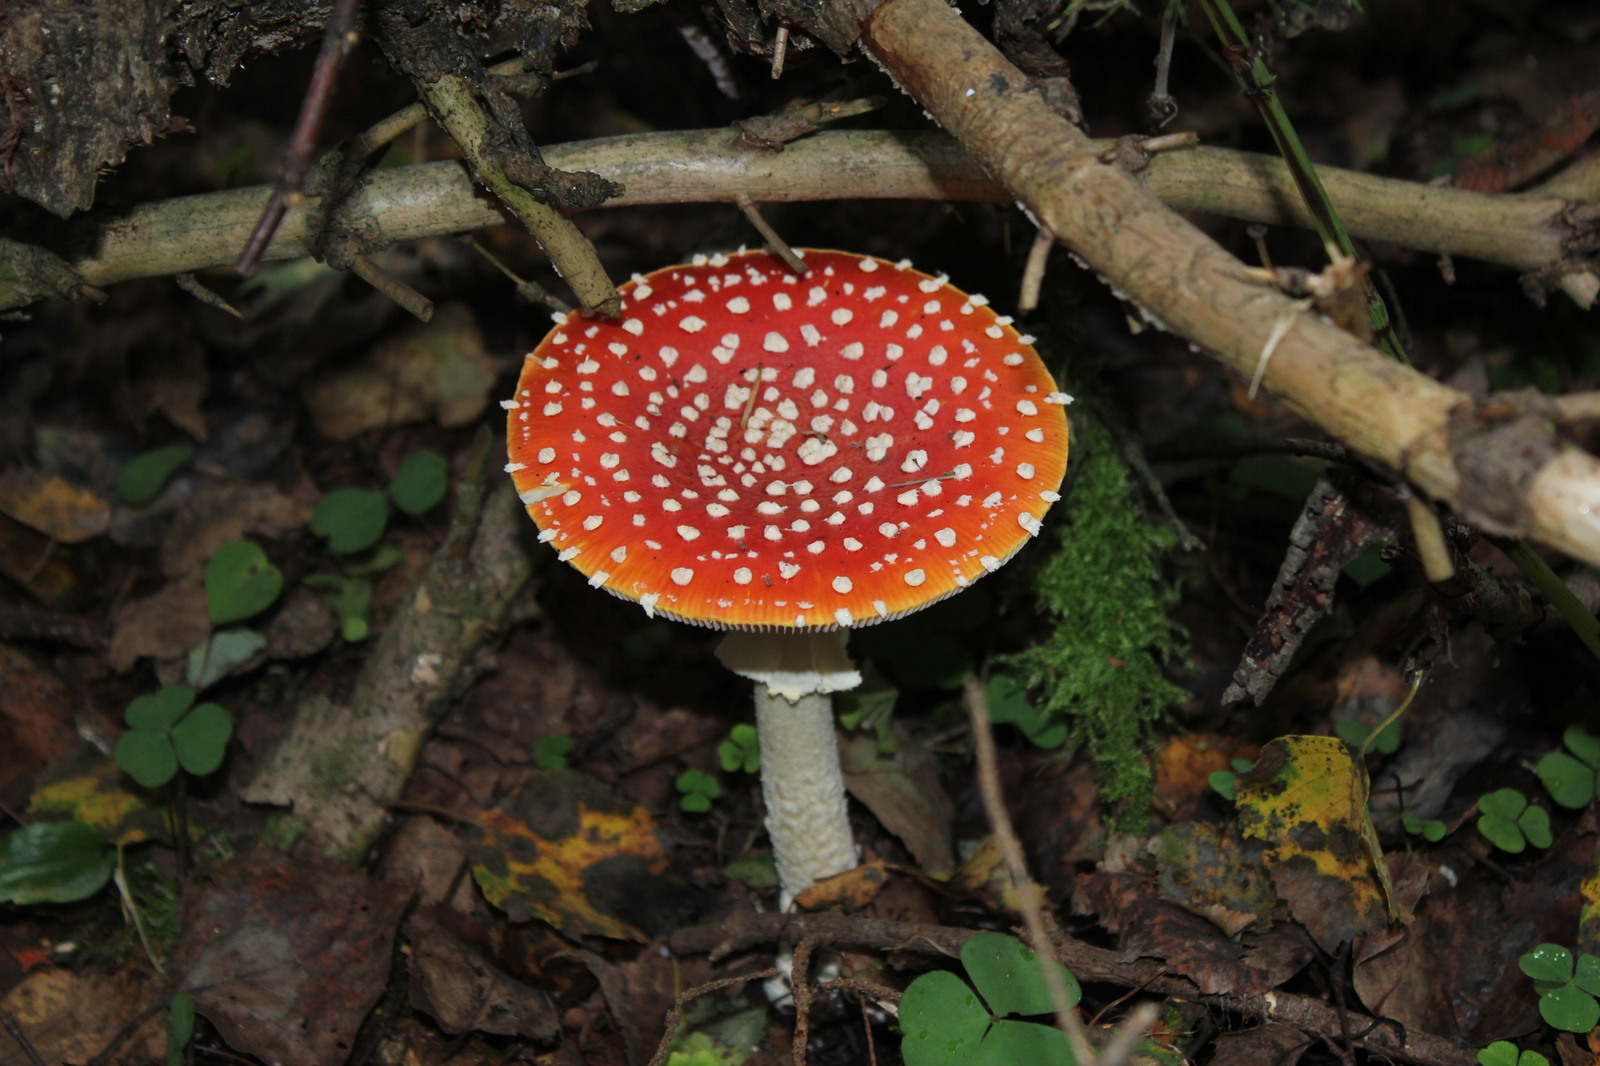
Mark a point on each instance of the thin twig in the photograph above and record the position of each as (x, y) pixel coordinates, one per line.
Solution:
(191, 285)
(675, 1014)
(1033, 272)
(10, 1025)
(391, 286)
(780, 247)
(337, 37)
(1028, 891)
(529, 290)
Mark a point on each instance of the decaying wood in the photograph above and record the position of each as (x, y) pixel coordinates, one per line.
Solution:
(1184, 281)
(340, 766)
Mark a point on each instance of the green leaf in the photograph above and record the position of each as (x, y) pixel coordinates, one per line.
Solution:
(1535, 825)
(699, 782)
(550, 753)
(1570, 1008)
(352, 520)
(1570, 783)
(240, 583)
(54, 862)
(742, 749)
(1504, 1053)
(695, 802)
(1505, 803)
(1547, 962)
(1586, 974)
(227, 650)
(1503, 834)
(158, 710)
(200, 739)
(180, 1026)
(1014, 1043)
(1584, 744)
(943, 1021)
(420, 483)
(1224, 782)
(143, 476)
(147, 757)
(1008, 976)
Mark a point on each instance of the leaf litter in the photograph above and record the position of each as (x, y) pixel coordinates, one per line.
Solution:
(1299, 888)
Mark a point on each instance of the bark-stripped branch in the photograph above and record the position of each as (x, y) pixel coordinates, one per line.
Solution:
(193, 233)
(1498, 464)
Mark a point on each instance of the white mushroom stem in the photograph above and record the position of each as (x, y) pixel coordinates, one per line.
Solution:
(801, 783)
(803, 790)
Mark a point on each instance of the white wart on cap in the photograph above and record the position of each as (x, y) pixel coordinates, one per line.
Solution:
(745, 448)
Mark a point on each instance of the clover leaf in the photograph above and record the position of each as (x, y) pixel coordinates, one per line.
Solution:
(1511, 823)
(1572, 780)
(1567, 987)
(167, 731)
(741, 751)
(946, 1024)
(699, 789)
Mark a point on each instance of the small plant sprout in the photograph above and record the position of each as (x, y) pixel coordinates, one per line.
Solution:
(741, 751)
(946, 1024)
(167, 731)
(550, 753)
(1505, 1053)
(180, 1027)
(352, 520)
(1567, 987)
(1572, 780)
(1432, 830)
(1223, 782)
(1511, 823)
(699, 789)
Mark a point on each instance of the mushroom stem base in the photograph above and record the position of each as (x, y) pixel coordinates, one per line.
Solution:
(803, 789)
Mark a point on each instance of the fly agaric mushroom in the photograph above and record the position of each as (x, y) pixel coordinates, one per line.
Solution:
(790, 456)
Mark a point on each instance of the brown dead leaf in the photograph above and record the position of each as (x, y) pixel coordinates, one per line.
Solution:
(904, 793)
(464, 990)
(163, 625)
(1188, 944)
(438, 371)
(222, 511)
(286, 956)
(71, 1017)
(53, 505)
(36, 718)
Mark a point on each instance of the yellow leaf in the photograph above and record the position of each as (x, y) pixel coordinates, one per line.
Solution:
(564, 851)
(1306, 799)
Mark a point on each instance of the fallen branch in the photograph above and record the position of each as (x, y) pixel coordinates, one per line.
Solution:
(748, 929)
(1499, 464)
(399, 204)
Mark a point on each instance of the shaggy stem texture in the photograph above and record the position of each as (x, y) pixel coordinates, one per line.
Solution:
(803, 789)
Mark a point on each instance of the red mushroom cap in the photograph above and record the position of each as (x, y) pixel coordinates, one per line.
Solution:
(903, 441)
